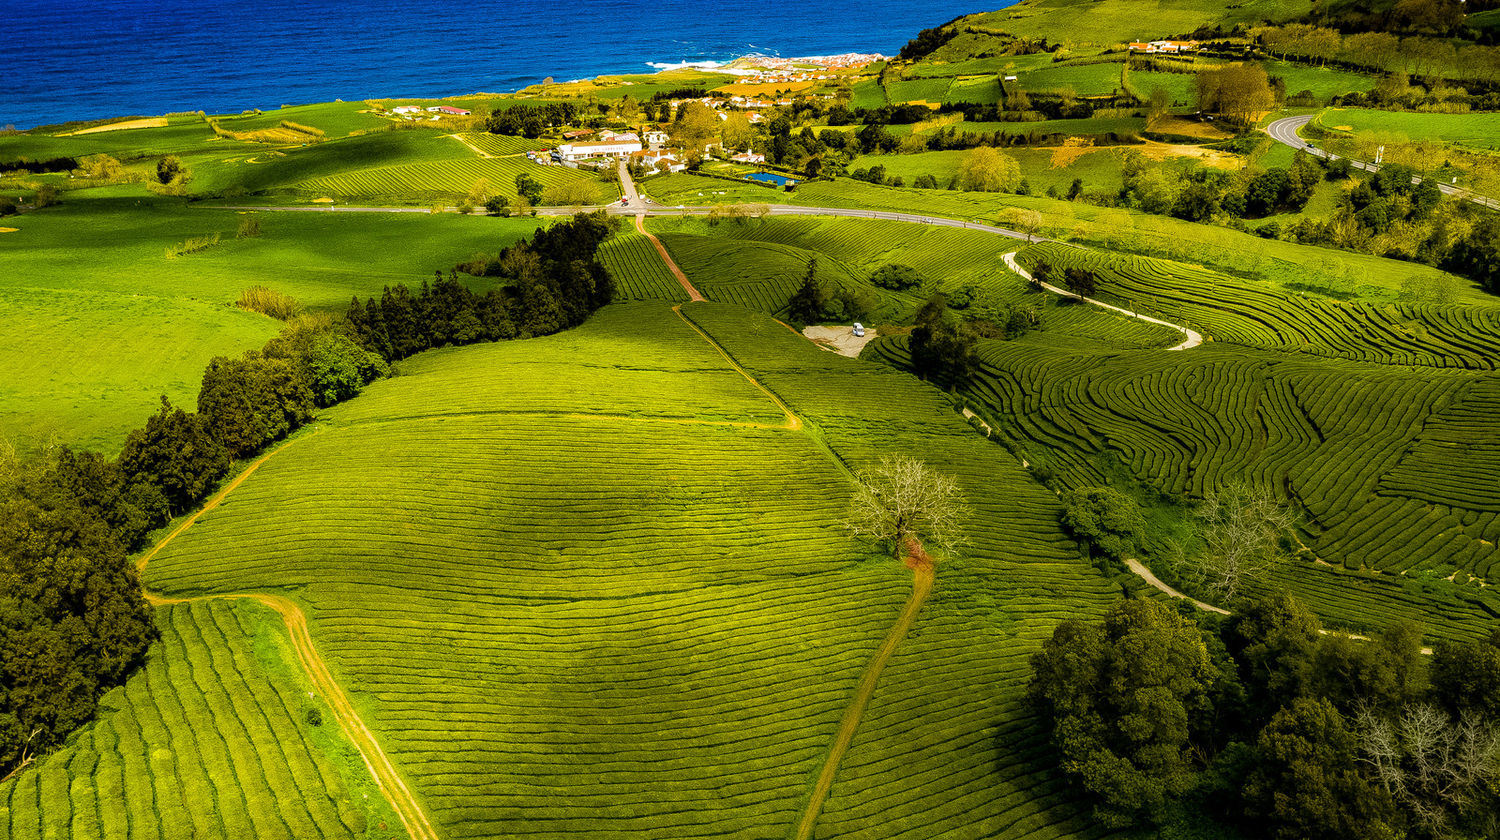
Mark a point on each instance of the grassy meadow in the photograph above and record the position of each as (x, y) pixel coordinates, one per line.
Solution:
(113, 322)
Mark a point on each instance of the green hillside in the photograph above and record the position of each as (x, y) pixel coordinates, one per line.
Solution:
(604, 561)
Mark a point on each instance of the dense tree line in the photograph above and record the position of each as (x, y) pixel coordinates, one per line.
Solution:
(1260, 721)
(554, 281)
(37, 167)
(531, 120)
(73, 621)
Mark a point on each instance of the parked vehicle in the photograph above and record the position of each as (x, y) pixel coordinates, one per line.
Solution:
(859, 330)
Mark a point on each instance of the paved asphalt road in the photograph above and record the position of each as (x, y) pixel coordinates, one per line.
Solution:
(1285, 131)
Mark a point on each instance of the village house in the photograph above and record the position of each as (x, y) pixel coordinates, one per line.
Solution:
(448, 110)
(656, 138)
(407, 109)
(653, 158)
(1163, 46)
(749, 156)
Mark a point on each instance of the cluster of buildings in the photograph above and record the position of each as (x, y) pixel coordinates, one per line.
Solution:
(436, 110)
(586, 145)
(1163, 46)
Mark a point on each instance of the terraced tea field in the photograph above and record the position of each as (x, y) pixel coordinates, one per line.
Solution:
(1226, 309)
(638, 270)
(437, 179)
(596, 584)
(211, 738)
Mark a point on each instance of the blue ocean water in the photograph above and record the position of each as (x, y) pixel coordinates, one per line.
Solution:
(88, 59)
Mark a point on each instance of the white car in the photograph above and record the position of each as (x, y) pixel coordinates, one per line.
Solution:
(859, 330)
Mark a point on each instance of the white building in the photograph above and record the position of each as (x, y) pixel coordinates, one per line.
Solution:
(749, 156)
(406, 109)
(619, 144)
(656, 139)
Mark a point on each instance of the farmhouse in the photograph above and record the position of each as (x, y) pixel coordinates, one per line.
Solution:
(749, 156)
(406, 109)
(449, 110)
(1164, 46)
(610, 145)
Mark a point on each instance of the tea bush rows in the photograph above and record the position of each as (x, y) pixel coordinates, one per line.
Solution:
(441, 178)
(1261, 315)
(638, 270)
(203, 741)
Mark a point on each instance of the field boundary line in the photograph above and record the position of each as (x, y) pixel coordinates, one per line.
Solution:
(678, 420)
(387, 779)
(921, 586)
(793, 422)
(693, 293)
(478, 151)
(214, 500)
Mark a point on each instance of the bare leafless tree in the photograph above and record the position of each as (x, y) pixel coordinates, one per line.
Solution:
(902, 498)
(1241, 526)
(1430, 764)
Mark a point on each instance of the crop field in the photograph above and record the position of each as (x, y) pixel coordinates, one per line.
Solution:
(1323, 82)
(1181, 87)
(1263, 315)
(1245, 255)
(918, 90)
(1480, 131)
(983, 89)
(756, 275)
(688, 189)
(1100, 170)
(868, 94)
(638, 270)
(948, 258)
(1368, 453)
(210, 739)
(1090, 127)
(447, 178)
(1110, 22)
(501, 144)
(112, 324)
(179, 135)
(1081, 79)
(583, 611)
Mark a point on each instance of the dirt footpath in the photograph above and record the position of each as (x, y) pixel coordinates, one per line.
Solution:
(840, 340)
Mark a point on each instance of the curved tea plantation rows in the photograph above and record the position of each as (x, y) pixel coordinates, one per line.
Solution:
(210, 739)
(1230, 310)
(446, 178)
(565, 618)
(638, 270)
(1375, 457)
(949, 258)
(759, 276)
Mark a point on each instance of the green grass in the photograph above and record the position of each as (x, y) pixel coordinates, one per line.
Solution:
(1324, 82)
(638, 270)
(1092, 126)
(1181, 87)
(1108, 22)
(1290, 266)
(447, 179)
(209, 739)
(685, 188)
(868, 94)
(336, 119)
(566, 624)
(917, 90)
(1100, 170)
(111, 323)
(1479, 131)
(1081, 79)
